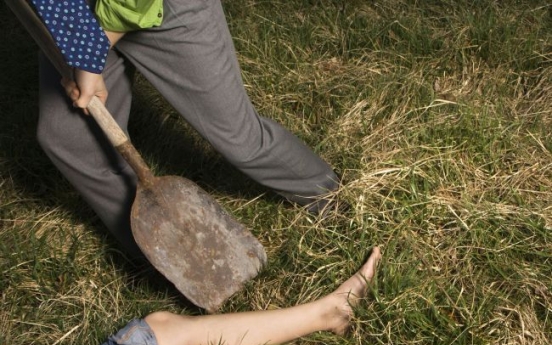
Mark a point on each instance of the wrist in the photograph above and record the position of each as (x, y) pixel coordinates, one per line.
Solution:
(113, 37)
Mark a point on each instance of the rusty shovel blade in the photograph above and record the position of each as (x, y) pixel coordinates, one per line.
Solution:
(193, 241)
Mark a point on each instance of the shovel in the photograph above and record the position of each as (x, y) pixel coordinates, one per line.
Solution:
(182, 230)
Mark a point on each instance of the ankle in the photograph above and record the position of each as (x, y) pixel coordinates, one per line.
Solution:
(337, 313)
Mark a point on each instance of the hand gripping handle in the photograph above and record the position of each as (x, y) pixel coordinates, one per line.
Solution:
(30, 20)
(42, 37)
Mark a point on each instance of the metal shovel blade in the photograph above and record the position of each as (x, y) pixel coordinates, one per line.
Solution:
(193, 242)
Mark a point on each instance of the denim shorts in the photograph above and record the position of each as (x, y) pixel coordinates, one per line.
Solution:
(136, 332)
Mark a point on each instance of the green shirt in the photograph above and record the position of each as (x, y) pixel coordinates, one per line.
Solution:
(129, 15)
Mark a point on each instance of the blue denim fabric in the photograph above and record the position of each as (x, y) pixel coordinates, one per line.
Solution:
(136, 332)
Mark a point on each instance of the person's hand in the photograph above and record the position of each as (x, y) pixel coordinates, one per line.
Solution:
(84, 86)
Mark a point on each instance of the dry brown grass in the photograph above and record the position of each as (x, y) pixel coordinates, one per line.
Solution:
(437, 114)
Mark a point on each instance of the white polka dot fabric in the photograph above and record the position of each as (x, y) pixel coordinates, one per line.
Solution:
(78, 35)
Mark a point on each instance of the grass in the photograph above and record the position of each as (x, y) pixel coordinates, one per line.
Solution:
(436, 113)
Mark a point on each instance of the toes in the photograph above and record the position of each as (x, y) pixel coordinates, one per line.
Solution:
(369, 268)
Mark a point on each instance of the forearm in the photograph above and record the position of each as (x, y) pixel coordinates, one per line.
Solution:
(84, 37)
(76, 32)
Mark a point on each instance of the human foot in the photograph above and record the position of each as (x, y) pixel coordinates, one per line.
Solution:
(348, 294)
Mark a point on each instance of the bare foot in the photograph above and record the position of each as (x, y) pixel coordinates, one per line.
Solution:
(348, 294)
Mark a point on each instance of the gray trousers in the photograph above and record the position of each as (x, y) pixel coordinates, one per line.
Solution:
(191, 60)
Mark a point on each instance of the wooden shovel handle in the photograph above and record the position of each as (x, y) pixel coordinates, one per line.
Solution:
(27, 16)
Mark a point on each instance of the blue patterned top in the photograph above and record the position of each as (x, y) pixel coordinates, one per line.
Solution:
(75, 30)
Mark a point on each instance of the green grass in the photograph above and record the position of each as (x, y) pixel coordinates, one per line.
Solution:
(437, 114)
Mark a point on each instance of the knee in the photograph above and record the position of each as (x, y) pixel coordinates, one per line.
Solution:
(43, 138)
(159, 317)
(71, 137)
(170, 328)
(49, 136)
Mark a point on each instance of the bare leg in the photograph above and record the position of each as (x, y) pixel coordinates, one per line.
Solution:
(330, 313)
